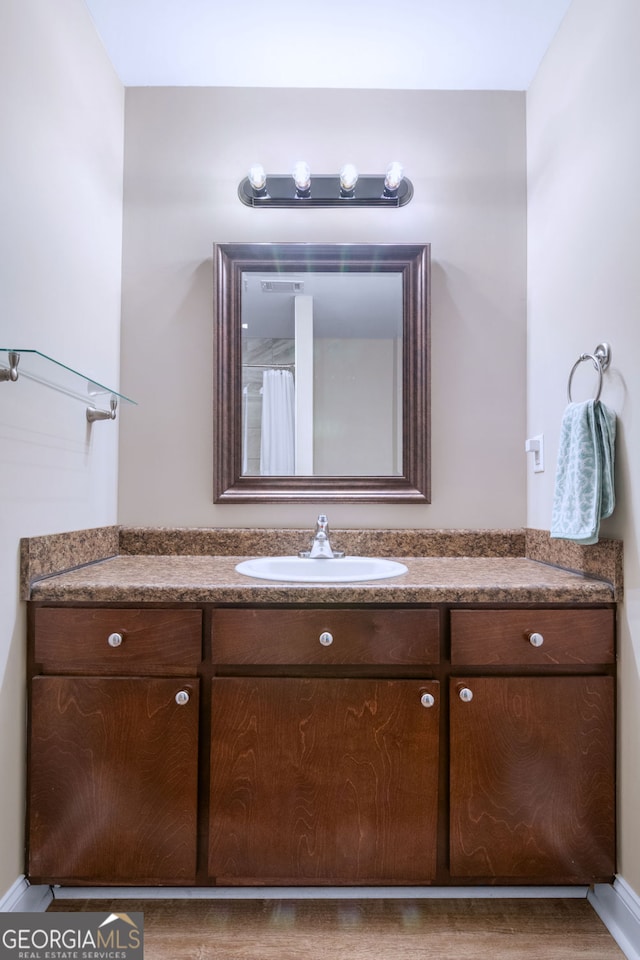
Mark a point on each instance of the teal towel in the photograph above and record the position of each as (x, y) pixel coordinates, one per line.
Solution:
(584, 492)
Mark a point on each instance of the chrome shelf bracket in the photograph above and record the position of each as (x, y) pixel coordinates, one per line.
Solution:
(11, 372)
(93, 414)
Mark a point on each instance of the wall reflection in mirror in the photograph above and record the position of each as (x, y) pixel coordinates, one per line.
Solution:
(322, 374)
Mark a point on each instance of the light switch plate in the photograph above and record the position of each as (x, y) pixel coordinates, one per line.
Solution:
(535, 445)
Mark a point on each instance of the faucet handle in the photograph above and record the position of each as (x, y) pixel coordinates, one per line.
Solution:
(320, 545)
(322, 528)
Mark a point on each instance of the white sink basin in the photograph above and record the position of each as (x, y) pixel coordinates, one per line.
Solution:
(336, 570)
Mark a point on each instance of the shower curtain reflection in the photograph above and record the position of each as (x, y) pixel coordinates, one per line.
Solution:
(277, 452)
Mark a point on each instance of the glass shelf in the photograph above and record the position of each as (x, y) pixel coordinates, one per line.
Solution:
(34, 365)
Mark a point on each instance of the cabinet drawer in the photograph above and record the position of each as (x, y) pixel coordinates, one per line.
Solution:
(507, 637)
(79, 636)
(325, 636)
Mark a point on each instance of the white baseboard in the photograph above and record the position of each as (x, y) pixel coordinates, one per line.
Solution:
(618, 906)
(22, 897)
(315, 893)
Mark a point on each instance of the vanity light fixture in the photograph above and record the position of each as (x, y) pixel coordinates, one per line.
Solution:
(393, 178)
(258, 179)
(347, 189)
(302, 179)
(348, 180)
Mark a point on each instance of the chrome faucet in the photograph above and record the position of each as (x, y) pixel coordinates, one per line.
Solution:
(321, 545)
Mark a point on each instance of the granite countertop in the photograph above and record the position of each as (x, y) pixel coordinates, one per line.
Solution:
(443, 579)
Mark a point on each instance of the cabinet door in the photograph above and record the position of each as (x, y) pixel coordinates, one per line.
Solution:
(113, 779)
(532, 778)
(323, 780)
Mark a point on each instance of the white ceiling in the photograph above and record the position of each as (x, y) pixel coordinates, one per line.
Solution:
(392, 44)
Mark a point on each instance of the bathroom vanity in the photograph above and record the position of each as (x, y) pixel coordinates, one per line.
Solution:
(189, 726)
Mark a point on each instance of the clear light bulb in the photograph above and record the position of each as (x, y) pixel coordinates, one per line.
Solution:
(302, 176)
(394, 176)
(257, 176)
(348, 178)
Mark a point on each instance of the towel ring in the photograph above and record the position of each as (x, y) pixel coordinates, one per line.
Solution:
(601, 358)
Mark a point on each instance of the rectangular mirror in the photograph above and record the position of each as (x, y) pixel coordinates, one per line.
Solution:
(321, 374)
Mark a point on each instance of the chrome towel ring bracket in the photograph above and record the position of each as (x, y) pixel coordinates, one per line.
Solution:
(601, 358)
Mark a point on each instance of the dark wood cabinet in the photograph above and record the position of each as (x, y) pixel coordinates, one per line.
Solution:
(113, 786)
(323, 780)
(319, 744)
(532, 748)
(112, 791)
(532, 778)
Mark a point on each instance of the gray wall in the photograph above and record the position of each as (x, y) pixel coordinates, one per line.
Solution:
(583, 141)
(62, 123)
(186, 149)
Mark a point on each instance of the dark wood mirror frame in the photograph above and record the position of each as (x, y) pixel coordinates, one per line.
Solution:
(230, 261)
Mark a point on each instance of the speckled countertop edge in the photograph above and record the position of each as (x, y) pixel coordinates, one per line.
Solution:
(57, 552)
(199, 579)
(603, 560)
(64, 566)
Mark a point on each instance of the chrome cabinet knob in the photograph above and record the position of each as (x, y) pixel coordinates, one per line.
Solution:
(536, 639)
(326, 638)
(465, 694)
(114, 639)
(182, 697)
(427, 700)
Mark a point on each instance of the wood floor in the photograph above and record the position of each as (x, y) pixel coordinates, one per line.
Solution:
(484, 929)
